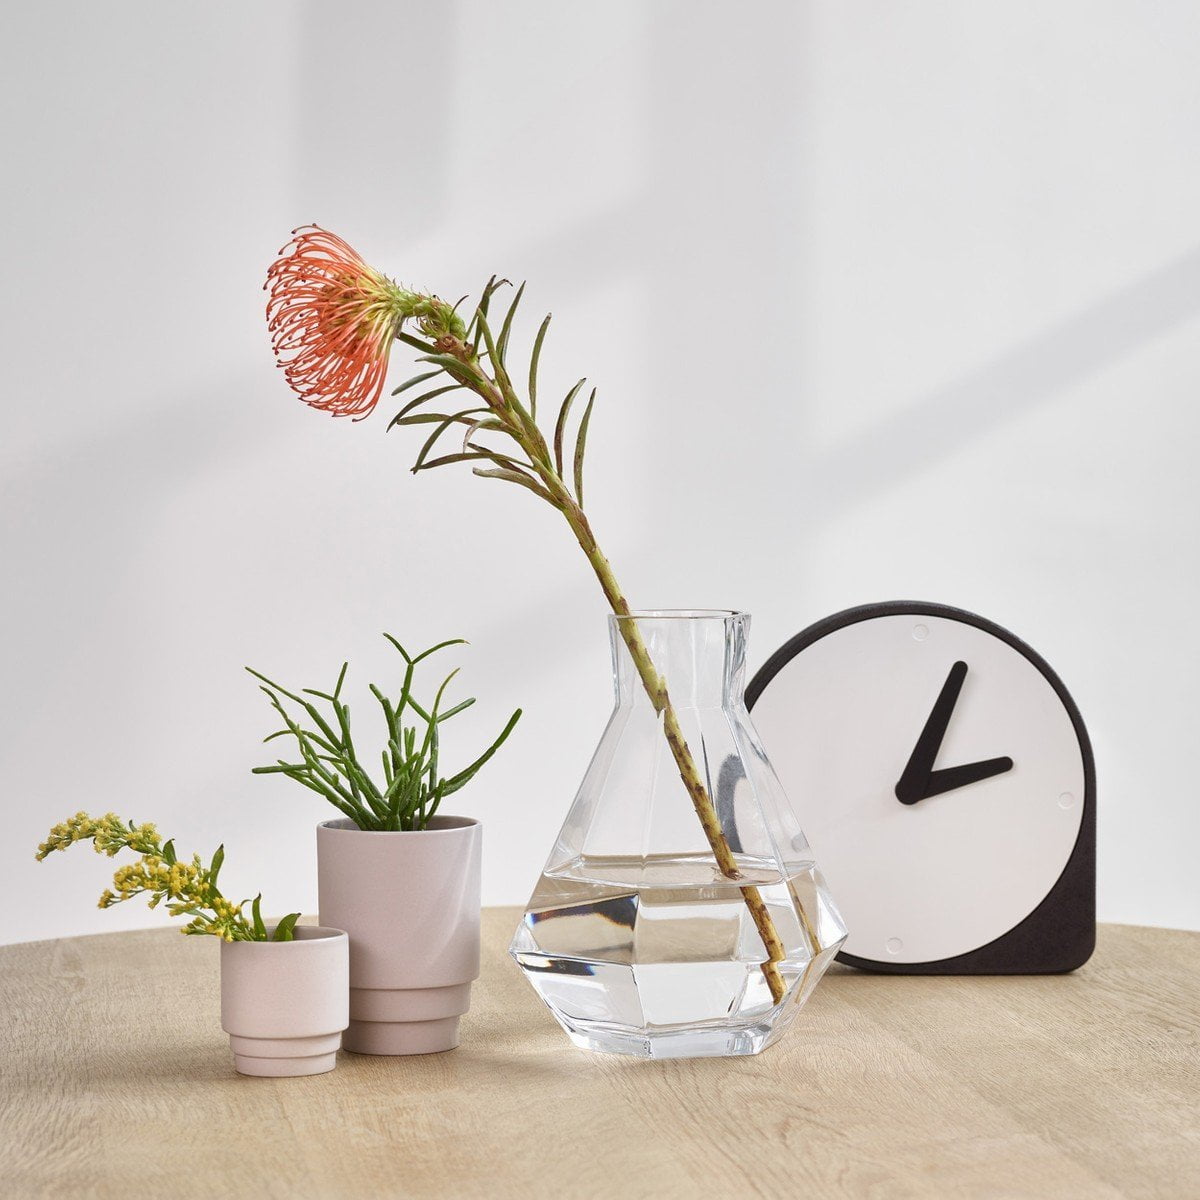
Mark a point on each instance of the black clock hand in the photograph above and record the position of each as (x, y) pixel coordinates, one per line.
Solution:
(917, 772)
(949, 778)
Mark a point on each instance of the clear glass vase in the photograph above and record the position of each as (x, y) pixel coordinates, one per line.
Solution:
(680, 912)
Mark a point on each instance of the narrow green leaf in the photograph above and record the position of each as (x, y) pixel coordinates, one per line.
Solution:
(533, 366)
(485, 423)
(461, 418)
(560, 426)
(438, 793)
(389, 712)
(308, 708)
(580, 443)
(215, 869)
(451, 712)
(497, 365)
(169, 852)
(463, 777)
(284, 931)
(281, 690)
(446, 459)
(453, 367)
(431, 728)
(415, 380)
(260, 930)
(498, 457)
(416, 343)
(506, 327)
(398, 419)
(440, 646)
(485, 299)
(517, 477)
(348, 762)
(430, 442)
(327, 777)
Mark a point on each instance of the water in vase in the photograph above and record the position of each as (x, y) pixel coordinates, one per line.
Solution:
(660, 957)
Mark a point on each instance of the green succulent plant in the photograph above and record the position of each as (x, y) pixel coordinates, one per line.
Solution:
(412, 787)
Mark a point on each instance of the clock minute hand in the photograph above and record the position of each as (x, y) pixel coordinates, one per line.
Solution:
(913, 783)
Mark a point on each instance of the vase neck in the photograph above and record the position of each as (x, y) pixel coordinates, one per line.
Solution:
(699, 653)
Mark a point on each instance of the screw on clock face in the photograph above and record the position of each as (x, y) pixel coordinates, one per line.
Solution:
(919, 780)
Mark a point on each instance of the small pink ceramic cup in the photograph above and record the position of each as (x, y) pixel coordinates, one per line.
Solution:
(285, 1004)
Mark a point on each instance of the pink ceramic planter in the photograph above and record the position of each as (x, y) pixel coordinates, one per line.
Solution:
(284, 1004)
(410, 903)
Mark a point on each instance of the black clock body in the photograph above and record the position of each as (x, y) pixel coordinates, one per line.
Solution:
(1058, 933)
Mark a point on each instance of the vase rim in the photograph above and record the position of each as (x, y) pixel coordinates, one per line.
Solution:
(680, 614)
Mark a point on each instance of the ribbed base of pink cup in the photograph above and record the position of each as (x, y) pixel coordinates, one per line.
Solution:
(405, 1020)
(401, 1037)
(276, 1058)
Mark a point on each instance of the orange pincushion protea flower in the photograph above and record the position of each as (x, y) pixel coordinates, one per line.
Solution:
(333, 319)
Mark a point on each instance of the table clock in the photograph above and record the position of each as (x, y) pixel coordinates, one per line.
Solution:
(945, 780)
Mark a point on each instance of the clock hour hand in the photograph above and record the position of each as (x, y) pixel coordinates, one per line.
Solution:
(915, 779)
(949, 778)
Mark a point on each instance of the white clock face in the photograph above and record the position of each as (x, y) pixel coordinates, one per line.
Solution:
(949, 871)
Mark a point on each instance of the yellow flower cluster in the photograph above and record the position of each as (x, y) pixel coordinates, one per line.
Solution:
(226, 922)
(188, 887)
(107, 833)
(67, 832)
(174, 881)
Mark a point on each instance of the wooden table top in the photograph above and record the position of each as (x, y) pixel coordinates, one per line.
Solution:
(117, 1081)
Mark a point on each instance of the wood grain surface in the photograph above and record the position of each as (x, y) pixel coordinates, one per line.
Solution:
(116, 1080)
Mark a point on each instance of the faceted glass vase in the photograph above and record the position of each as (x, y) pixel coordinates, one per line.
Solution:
(647, 933)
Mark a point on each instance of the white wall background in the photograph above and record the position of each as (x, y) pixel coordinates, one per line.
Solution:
(885, 300)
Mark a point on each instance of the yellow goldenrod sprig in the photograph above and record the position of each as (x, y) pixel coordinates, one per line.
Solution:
(189, 888)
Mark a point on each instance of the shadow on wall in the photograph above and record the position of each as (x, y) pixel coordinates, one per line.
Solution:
(934, 426)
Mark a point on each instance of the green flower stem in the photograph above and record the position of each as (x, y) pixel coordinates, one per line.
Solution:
(503, 401)
(656, 689)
